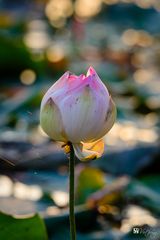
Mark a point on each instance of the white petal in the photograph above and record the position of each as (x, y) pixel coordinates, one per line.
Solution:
(109, 119)
(57, 88)
(87, 115)
(51, 121)
(78, 113)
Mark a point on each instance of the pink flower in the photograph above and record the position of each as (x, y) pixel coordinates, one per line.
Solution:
(78, 109)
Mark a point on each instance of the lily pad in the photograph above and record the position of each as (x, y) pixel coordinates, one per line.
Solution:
(30, 228)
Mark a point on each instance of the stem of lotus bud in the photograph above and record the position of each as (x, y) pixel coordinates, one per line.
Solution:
(71, 193)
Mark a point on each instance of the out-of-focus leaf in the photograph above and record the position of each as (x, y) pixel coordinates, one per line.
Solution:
(61, 233)
(31, 228)
(22, 98)
(14, 57)
(96, 235)
(131, 236)
(24, 101)
(110, 193)
(152, 181)
(24, 155)
(128, 161)
(147, 197)
(85, 219)
(101, 235)
(89, 180)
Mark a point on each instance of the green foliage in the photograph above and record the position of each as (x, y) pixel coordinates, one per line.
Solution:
(88, 181)
(152, 181)
(31, 228)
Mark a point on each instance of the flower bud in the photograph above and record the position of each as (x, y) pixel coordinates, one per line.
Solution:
(78, 109)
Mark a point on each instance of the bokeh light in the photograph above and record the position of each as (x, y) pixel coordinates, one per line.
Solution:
(60, 198)
(133, 37)
(58, 10)
(36, 37)
(87, 8)
(23, 191)
(28, 77)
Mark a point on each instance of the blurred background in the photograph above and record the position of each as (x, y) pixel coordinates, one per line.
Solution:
(39, 41)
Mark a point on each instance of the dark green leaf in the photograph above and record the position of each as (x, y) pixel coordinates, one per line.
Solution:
(31, 228)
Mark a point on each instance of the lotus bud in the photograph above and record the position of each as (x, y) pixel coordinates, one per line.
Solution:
(80, 110)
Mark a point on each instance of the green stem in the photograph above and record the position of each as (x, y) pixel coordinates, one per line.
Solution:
(71, 194)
